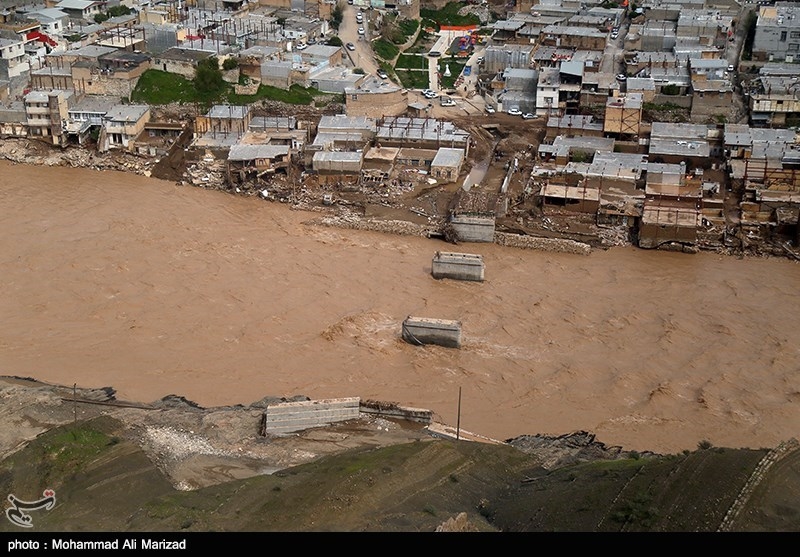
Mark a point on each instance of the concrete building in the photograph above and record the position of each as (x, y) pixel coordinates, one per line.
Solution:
(707, 27)
(375, 98)
(121, 125)
(693, 144)
(224, 119)
(421, 133)
(85, 114)
(672, 208)
(80, 9)
(53, 21)
(446, 166)
(46, 114)
(248, 162)
(498, 58)
(547, 92)
(623, 115)
(13, 56)
(573, 125)
(327, 163)
(712, 90)
(573, 37)
(774, 97)
(336, 79)
(777, 36)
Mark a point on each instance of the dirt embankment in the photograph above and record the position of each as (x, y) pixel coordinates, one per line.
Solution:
(197, 447)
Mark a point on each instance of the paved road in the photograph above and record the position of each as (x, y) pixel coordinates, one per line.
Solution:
(362, 57)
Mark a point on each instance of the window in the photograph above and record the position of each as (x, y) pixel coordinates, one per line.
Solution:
(783, 36)
(794, 47)
(794, 35)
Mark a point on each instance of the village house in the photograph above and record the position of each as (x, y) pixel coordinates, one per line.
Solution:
(54, 22)
(774, 97)
(519, 89)
(247, 162)
(46, 113)
(623, 115)
(498, 58)
(672, 208)
(764, 164)
(573, 125)
(446, 166)
(13, 120)
(121, 125)
(777, 33)
(692, 144)
(712, 90)
(85, 115)
(564, 36)
(13, 57)
(421, 133)
(180, 61)
(80, 9)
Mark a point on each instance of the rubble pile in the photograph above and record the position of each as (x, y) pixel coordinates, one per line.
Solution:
(24, 151)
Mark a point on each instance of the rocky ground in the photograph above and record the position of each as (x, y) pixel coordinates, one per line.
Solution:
(197, 447)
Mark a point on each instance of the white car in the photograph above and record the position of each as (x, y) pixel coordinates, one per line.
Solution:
(360, 30)
(428, 94)
(528, 116)
(350, 46)
(490, 109)
(514, 111)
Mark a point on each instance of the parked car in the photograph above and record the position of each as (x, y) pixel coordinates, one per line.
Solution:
(361, 31)
(430, 94)
(382, 73)
(447, 101)
(350, 46)
(614, 34)
(479, 61)
(300, 46)
(622, 77)
(514, 111)
(434, 54)
(528, 116)
(490, 109)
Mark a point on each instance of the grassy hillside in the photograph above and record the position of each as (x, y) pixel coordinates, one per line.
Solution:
(104, 482)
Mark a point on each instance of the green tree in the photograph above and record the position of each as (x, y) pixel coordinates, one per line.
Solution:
(100, 18)
(336, 16)
(208, 77)
(116, 11)
(334, 41)
(230, 64)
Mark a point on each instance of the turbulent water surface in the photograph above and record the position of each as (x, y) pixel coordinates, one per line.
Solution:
(117, 280)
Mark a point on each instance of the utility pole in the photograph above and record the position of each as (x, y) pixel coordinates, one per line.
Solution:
(458, 422)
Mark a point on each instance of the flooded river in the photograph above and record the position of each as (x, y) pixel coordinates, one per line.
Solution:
(153, 289)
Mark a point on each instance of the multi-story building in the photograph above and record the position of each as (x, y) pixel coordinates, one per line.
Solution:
(46, 114)
(777, 35)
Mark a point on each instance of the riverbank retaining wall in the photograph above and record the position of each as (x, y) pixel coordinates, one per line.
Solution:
(458, 266)
(288, 417)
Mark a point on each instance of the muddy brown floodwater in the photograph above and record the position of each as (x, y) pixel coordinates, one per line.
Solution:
(118, 280)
